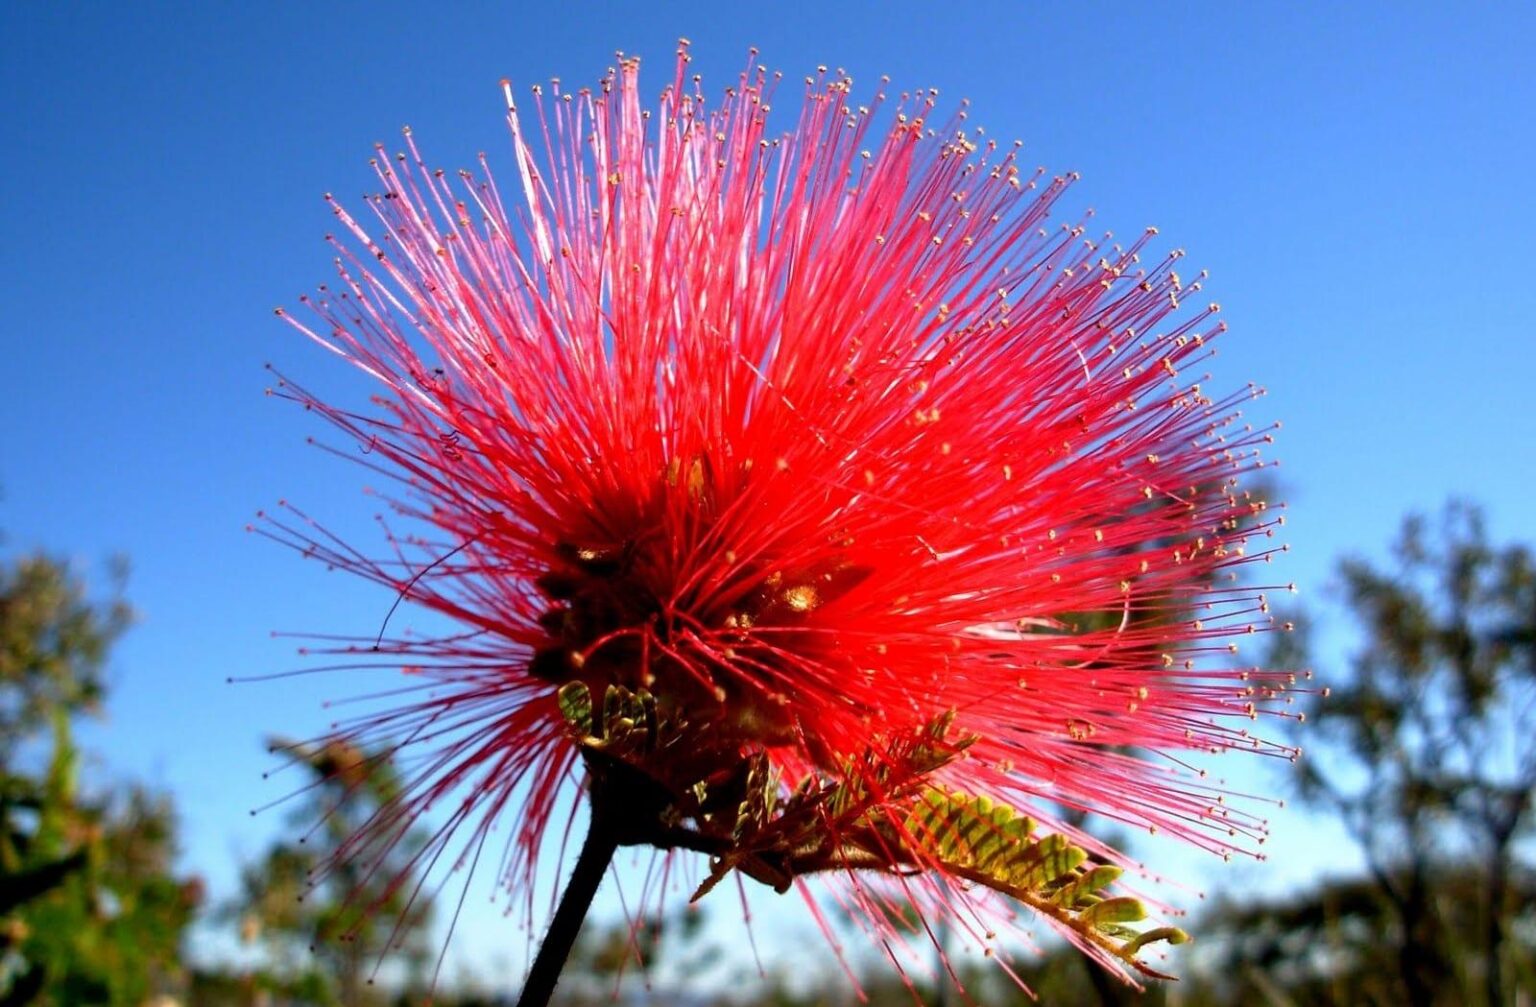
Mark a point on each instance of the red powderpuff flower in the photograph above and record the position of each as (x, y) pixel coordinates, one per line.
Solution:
(807, 498)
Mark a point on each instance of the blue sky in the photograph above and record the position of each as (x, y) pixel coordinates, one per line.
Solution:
(1355, 178)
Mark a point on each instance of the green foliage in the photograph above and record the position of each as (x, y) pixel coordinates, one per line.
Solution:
(575, 701)
(90, 909)
(988, 843)
(53, 643)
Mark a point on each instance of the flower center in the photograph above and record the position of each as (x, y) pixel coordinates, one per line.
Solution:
(718, 664)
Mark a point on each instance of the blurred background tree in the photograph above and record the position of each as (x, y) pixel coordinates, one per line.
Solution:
(330, 926)
(1426, 753)
(53, 646)
(91, 911)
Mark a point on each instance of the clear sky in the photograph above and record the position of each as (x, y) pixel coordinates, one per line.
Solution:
(1353, 176)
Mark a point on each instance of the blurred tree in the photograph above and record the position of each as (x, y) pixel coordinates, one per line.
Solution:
(53, 643)
(330, 923)
(1426, 751)
(624, 960)
(1325, 946)
(90, 910)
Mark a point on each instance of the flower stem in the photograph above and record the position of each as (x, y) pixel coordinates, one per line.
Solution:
(596, 853)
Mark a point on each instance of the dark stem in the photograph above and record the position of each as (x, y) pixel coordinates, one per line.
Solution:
(596, 854)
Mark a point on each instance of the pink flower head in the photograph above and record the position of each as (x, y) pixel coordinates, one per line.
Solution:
(812, 483)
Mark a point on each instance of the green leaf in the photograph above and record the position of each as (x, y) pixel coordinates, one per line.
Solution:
(1118, 910)
(981, 840)
(1049, 862)
(756, 809)
(1172, 935)
(575, 701)
(621, 710)
(976, 831)
(1084, 891)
